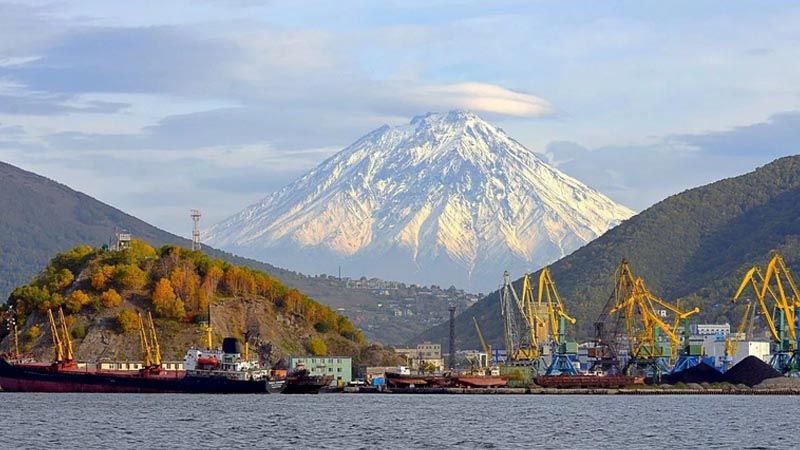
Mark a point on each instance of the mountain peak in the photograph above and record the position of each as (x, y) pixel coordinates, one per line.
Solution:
(455, 116)
(438, 200)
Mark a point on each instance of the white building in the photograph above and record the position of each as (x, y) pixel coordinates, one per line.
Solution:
(710, 329)
(714, 346)
(425, 353)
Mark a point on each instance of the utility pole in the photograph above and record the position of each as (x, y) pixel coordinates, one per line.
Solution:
(451, 363)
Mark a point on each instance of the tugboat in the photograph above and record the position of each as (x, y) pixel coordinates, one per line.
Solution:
(300, 381)
(209, 371)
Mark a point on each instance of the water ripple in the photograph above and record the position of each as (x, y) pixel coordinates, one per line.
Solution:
(402, 422)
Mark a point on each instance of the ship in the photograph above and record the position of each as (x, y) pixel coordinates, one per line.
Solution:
(474, 380)
(300, 381)
(210, 371)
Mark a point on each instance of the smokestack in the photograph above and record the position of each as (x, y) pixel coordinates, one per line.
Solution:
(451, 363)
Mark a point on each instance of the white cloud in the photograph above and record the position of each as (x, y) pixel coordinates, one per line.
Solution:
(481, 97)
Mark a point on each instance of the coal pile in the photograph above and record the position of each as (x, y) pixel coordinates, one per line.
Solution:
(701, 373)
(750, 372)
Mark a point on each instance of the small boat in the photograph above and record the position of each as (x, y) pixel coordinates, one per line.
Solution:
(300, 381)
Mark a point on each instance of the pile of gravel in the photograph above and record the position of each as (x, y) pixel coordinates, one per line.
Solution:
(750, 372)
(779, 383)
(701, 373)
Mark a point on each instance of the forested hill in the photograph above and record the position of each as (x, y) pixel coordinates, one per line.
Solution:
(101, 293)
(40, 217)
(695, 245)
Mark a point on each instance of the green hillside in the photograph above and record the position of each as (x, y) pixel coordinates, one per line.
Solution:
(695, 245)
(101, 291)
(40, 217)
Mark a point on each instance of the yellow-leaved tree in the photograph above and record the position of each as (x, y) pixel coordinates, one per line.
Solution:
(127, 320)
(76, 301)
(317, 347)
(185, 283)
(111, 299)
(166, 303)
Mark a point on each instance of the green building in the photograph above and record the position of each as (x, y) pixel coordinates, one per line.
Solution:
(340, 367)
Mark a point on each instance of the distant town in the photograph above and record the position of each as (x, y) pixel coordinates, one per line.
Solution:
(402, 305)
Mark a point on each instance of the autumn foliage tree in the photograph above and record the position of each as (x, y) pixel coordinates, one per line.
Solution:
(76, 301)
(166, 303)
(111, 299)
(208, 287)
(317, 347)
(130, 276)
(185, 283)
(239, 281)
(127, 320)
(102, 277)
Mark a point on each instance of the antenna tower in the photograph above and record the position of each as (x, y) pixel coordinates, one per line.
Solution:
(195, 229)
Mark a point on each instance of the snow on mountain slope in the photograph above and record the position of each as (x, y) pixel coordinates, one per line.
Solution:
(446, 199)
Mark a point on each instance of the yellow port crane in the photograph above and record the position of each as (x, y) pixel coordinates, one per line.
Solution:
(732, 341)
(520, 324)
(535, 314)
(154, 347)
(565, 353)
(487, 349)
(58, 348)
(643, 322)
(555, 307)
(146, 352)
(66, 339)
(781, 317)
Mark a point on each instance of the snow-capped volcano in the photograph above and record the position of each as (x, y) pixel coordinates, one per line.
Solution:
(447, 199)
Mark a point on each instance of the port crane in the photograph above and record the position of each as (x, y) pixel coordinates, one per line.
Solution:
(489, 368)
(609, 327)
(58, 348)
(778, 309)
(151, 350)
(155, 347)
(564, 352)
(519, 326)
(11, 327)
(146, 351)
(646, 328)
(62, 343)
(742, 332)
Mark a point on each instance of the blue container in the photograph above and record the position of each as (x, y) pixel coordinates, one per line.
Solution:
(378, 381)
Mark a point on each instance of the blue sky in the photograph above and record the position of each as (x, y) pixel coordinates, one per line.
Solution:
(159, 107)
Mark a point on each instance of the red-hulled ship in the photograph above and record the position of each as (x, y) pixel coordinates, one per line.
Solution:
(207, 371)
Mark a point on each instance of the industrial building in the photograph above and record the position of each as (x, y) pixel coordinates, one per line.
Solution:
(340, 367)
(424, 354)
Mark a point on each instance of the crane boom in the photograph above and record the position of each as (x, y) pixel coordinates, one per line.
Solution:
(143, 341)
(486, 348)
(57, 346)
(66, 339)
(155, 348)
